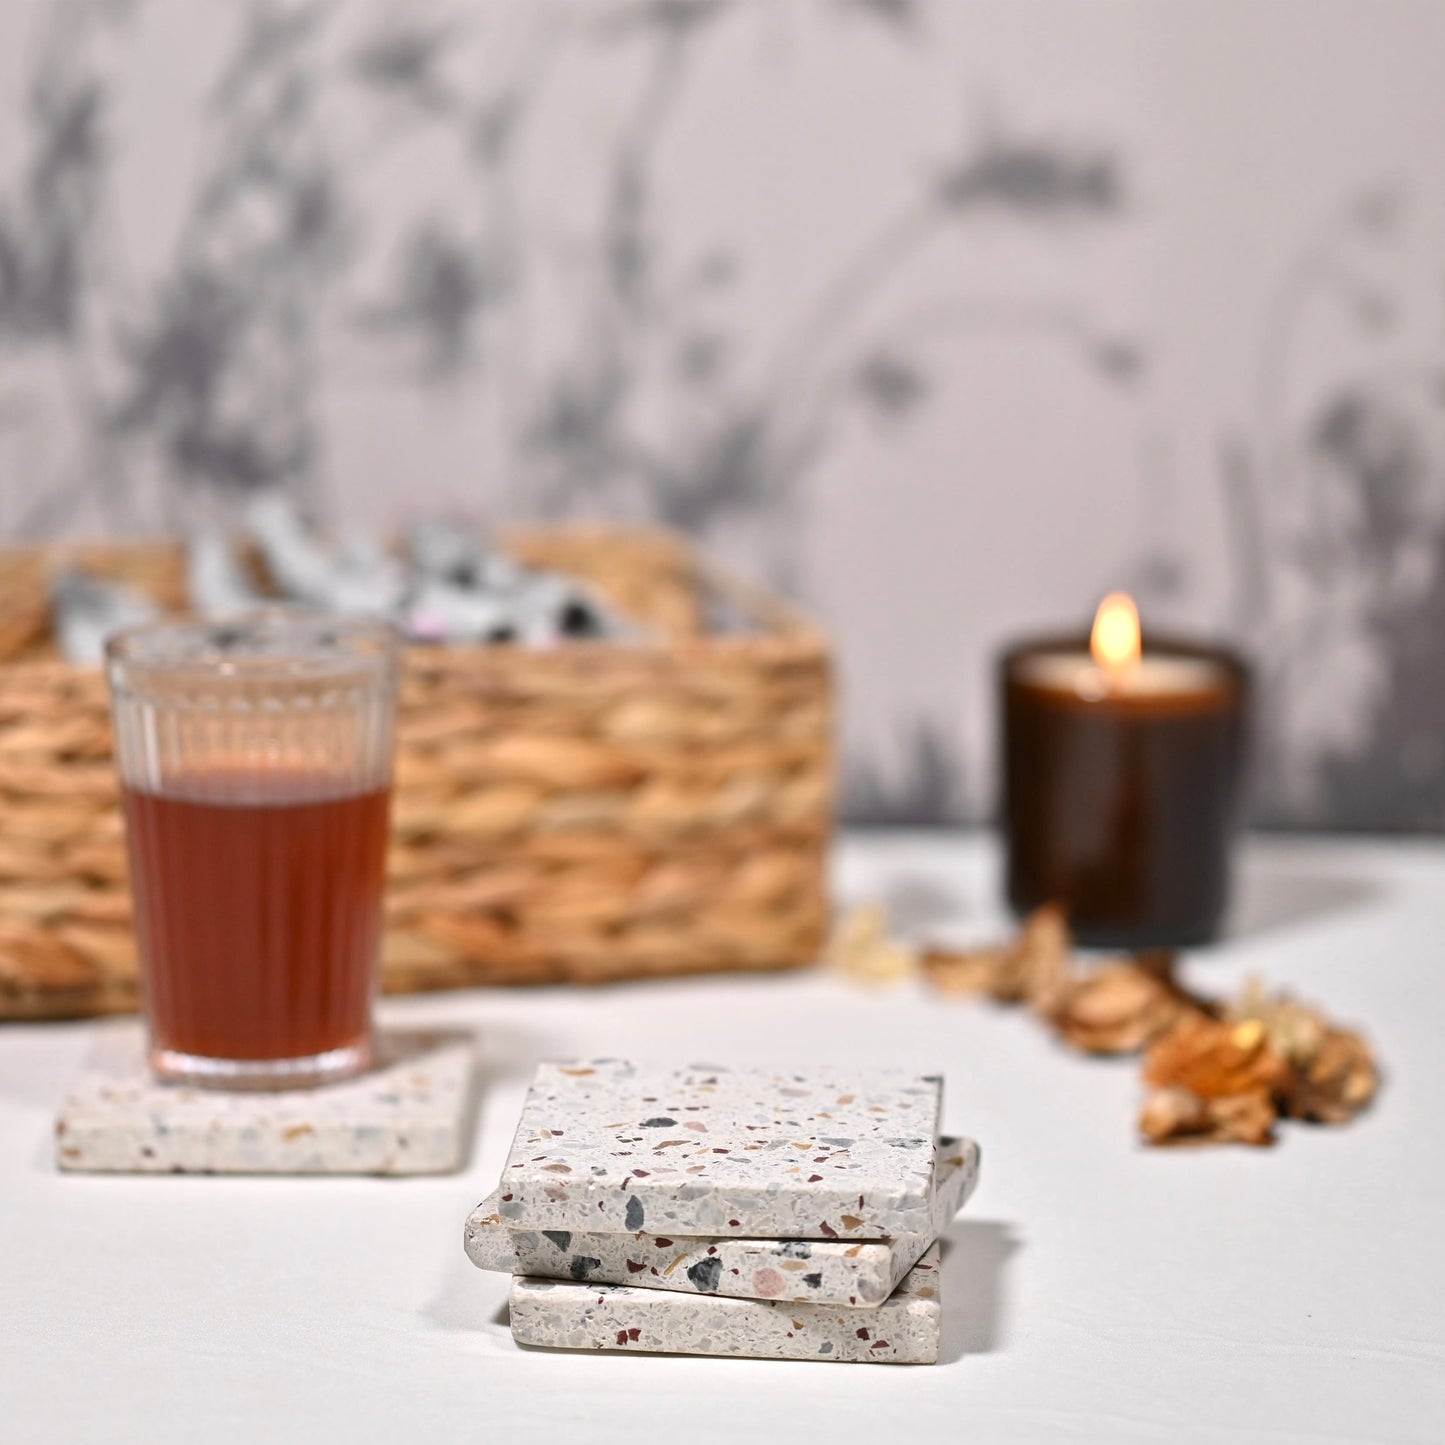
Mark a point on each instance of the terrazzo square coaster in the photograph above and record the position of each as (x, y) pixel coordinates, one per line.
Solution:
(614, 1147)
(903, 1330)
(409, 1115)
(833, 1272)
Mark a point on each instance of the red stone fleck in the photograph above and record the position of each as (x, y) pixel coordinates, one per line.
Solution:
(634, 1268)
(735, 1224)
(506, 1199)
(621, 1337)
(642, 1173)
(712, 1249)
(654, 1269)
(828, 1229)
(662, 1243)
(814, 1178)
(633, 1333)
(862, 1334)
(880, 1344)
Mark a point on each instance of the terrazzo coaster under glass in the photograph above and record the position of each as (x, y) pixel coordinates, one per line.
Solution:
(833, 1272)
(903, 1330)
(408, 1115)
(615, 1147)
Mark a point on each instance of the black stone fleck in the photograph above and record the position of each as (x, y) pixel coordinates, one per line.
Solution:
(705, 1275)
(635, 1215)
(661, 1122)
(579, 620)
(582, 1265)
(562, 1238)
(814, 1281)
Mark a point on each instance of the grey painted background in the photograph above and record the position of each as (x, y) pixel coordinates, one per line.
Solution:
(947, 315)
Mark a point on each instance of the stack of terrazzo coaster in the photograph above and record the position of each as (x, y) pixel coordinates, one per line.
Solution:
(708, 1211)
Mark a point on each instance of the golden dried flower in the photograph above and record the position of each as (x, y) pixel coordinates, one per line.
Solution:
(1178, 1116)
(1215, 1059)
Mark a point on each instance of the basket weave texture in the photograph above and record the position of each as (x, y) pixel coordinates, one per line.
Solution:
(592, 812)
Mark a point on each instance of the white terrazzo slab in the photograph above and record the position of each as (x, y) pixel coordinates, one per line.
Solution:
(903, 1330)
(859, 1275)
(614, 1147)
(409, 1115)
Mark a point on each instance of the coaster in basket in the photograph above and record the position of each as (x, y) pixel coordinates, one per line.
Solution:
(615, 1147)
(819, 1271)
(409, 1115)
(903, 1330)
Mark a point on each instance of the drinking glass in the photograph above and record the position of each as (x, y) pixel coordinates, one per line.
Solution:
(255, 762)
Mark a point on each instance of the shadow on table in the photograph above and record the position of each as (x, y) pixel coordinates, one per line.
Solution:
(976, 1253)
(1269, 897)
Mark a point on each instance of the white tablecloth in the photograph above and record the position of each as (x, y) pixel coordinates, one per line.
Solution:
(1093, 1291)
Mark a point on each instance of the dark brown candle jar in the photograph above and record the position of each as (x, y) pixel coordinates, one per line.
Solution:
(1122, 787)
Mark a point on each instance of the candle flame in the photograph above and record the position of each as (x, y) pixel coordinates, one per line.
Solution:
(1115, 638)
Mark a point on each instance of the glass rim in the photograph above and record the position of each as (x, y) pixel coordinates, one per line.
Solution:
(278, 642)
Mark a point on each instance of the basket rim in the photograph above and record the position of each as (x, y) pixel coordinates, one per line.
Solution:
(784, 633)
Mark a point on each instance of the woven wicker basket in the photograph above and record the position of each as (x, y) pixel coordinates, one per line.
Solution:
(592, 812)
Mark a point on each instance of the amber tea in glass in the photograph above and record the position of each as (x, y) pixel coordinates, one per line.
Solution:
(255, 761)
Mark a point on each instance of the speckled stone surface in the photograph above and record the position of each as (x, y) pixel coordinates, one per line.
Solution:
(408, 1116)
(858, 1274)
(613, 1147)
(903, 1330)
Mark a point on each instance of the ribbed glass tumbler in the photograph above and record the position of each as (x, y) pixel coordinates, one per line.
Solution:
(255, 763)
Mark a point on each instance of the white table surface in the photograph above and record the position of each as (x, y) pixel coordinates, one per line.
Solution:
(1094, 1291)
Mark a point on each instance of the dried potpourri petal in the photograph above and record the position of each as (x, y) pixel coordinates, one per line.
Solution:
(1029, 968)
(862, 948)
(1220, 1074)
(1332, 1074)
(1121, 1006)
(1116, 1007)
(1339, 1081)
(1215, 1059)
(1178, 1116)
(966, 971)
(1294, 1030)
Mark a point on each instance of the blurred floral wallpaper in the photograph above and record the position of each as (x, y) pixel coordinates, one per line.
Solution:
(945, 316)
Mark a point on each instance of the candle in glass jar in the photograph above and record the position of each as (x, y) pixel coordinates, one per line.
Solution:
(1122, 769)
